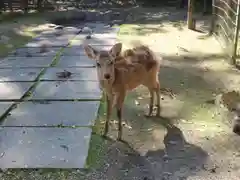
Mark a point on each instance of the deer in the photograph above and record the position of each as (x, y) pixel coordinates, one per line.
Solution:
(120, 72)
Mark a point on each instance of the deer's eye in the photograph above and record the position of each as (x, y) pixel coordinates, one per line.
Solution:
(98, 64)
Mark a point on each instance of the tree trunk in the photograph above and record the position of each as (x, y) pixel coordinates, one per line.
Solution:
(24, 5)
(182, 3)
(2, 6)
(39, 5)
(10, 5)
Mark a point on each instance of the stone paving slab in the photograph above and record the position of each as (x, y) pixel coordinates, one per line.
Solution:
(60, 41)
(75, 61)
(4, 106)
(13, 90)
(59, 32)
(95, 25)
(79, 51)
(99, 41)
(102, 28)
(54, 73)
(25, 62)
(106, 33)
(62, 90)
(19, 74)
(35, 51)
(53, 113)
(44, 147)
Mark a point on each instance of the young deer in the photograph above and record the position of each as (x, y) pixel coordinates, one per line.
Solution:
(118, 74)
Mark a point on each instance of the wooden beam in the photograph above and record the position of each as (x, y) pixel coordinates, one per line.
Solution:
(190, 20)
(236, 35)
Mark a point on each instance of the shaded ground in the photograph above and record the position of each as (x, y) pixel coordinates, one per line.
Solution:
(190, 142)
(15, 31)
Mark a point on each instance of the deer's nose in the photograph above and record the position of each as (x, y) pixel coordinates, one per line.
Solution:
(107, 76)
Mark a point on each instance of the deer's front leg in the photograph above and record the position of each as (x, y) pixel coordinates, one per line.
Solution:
(119, 105)
(109, 100)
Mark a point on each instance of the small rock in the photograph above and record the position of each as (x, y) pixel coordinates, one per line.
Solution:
(86, 30)
(59, 27)
(88, 37)
(166, 157)
(137, 103)
(51, 26)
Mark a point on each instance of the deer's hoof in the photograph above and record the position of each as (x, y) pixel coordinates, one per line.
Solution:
(158, 115)
(236, 129)
(119, 139)
(105, 136)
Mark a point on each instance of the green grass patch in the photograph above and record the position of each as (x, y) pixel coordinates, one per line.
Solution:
(97, 143)
(17, 30)
(15, 41)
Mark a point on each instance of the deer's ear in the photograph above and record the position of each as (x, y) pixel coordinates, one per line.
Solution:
(90, 52)
(116, 50)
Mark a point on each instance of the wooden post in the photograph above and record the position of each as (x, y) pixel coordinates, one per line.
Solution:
(24, 5)
(212, 26)
(190, 20)
(10, 5)
(236, 34)
(205, 7)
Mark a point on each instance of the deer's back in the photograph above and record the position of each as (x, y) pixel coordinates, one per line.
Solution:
(135, 67)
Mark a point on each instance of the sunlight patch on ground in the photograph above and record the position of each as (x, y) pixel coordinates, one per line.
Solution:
(168, 38)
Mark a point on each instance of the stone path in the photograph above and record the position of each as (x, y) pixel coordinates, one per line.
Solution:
(44, 121)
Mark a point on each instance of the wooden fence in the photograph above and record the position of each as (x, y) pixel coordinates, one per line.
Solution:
(13, 5)
(225, 25)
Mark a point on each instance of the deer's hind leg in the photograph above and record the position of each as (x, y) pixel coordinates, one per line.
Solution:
(151, 92)
(154, 88)
(157, 91)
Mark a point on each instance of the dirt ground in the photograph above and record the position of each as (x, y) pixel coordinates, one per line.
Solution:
(189, 141)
